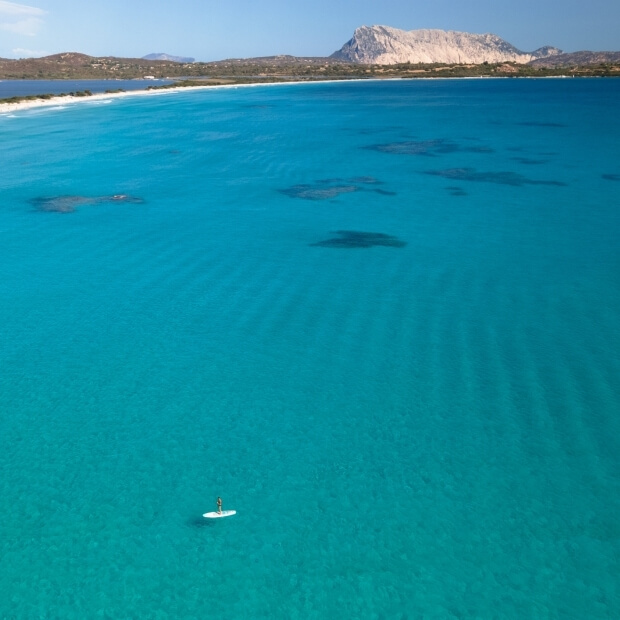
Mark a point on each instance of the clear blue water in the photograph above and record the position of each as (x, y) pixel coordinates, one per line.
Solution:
(428, 430)
(20, 88)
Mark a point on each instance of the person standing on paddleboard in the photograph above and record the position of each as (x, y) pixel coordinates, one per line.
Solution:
(219, 505)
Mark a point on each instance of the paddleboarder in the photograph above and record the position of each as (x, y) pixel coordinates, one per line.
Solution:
(216, 514)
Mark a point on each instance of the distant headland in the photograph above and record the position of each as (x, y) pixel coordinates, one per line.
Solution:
(168, 57)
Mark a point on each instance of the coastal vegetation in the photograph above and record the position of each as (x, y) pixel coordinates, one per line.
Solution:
(82, 67)
(265, 70)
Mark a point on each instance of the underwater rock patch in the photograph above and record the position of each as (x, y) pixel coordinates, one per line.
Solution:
(528, 161)
(540, 124)
(413, 147)
(68, 204)
(429, 148)
(318, 192)
(356, 180)
(369, 131)
(502, 178)
(611, 177)
(351, 239)
(478, 149)
(324, 189)
(365, 180)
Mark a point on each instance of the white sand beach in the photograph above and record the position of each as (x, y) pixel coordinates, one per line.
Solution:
(9, 108)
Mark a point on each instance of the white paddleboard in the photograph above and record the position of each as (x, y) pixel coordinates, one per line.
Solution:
(219, 515)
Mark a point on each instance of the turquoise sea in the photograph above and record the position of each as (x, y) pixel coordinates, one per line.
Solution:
(381, 320)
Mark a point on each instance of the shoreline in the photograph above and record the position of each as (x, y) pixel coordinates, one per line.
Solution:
(9, 108)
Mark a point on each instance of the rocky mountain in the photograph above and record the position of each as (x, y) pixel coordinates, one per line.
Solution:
(575, 59)
(167, 57)
(384, 45)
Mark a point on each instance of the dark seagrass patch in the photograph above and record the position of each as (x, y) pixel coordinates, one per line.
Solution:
(353, 239)
(68, 204)
(325, 189)
(428, 148)
(502, 178)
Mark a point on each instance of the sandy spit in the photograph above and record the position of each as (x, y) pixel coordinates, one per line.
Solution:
(9, 108)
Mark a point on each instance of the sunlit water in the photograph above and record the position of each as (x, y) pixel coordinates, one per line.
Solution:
(414, 417)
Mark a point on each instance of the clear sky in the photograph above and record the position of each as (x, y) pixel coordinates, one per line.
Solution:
(218, 29)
